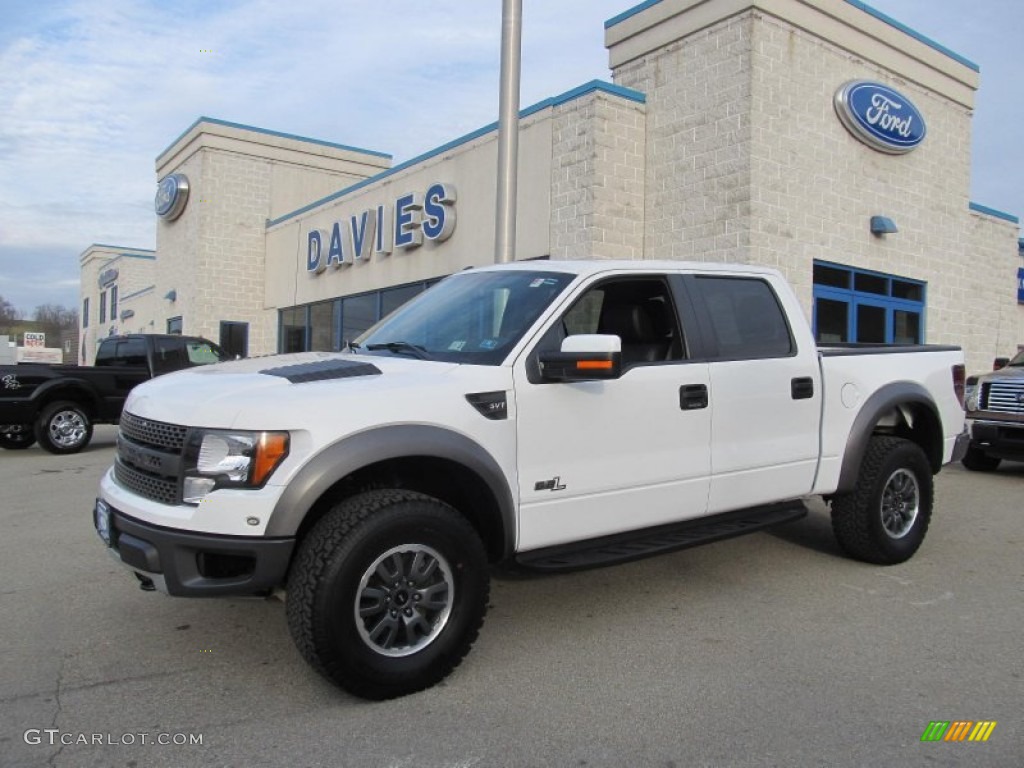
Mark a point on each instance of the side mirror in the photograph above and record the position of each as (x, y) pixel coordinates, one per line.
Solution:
(584, 357)
(1000, 362)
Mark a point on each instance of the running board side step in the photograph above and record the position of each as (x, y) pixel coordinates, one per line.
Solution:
(633, 545)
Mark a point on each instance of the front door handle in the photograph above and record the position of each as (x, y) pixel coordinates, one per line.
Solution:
(693, 396)
(802, 388)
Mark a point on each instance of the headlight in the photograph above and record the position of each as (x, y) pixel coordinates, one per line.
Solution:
(227, 459)
(971, 393)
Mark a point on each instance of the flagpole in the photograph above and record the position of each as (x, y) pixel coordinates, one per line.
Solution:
(508, 130)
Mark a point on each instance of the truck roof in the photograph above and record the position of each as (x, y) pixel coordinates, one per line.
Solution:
(596, 266)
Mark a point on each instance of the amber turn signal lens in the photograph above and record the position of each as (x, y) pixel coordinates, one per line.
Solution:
(270, 451)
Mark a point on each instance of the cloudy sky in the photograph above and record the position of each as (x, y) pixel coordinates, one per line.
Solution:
(91, 92)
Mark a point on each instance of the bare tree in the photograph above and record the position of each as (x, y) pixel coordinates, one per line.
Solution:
(54, 318)
(9, 317)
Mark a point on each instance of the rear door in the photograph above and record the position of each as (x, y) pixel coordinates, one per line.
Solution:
(764, 389)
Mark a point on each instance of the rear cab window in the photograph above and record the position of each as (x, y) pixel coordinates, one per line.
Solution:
(121, 352)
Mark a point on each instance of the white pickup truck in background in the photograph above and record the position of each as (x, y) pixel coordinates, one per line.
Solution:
(555, 415)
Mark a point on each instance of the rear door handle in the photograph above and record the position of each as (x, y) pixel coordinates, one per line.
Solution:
(802, 388)
(693, 396)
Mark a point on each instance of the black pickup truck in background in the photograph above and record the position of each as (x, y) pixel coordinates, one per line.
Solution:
(59, 404)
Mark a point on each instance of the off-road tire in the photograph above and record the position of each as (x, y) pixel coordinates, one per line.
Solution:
(329, 578)
(977, 460)
(867, 522)
(18, 441)
(63, 427)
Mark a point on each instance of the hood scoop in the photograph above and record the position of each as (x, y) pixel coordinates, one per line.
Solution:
(323, 370)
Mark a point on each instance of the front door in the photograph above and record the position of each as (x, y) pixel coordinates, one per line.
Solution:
(601, 457)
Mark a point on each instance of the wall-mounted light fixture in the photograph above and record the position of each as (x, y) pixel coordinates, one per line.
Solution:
(883, 225)
(171, 295)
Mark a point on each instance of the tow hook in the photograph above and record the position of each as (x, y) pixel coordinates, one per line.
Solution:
(146, 585)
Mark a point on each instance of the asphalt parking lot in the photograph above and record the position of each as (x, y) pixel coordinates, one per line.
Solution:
(769, 650)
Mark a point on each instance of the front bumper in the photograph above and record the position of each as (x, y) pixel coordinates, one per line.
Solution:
(193, 564)
(1004, 440)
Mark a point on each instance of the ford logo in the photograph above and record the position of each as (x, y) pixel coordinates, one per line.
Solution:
(171, 196)
(880, 117)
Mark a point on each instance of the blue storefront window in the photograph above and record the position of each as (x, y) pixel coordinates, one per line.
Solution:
(330, 325)
(860, 305)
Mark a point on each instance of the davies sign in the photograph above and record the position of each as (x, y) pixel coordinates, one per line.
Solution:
(402, 225)
(880, 117)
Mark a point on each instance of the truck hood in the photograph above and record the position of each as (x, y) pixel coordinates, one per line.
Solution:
(1016, 373)
(265, 392)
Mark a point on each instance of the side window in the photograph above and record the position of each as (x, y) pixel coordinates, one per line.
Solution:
(167, 355)
(131, 352)
(637, 310)
(105, 354)
(746, 319)
(585, 313)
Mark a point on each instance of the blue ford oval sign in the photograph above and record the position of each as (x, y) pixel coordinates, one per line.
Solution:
(171, 196)
(880, 117)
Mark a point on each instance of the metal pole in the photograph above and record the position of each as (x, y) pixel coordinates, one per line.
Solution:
(508, 130)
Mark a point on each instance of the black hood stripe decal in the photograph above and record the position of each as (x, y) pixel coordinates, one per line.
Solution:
(323, 370)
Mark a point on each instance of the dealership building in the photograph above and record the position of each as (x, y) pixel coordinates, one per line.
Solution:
(819, 137)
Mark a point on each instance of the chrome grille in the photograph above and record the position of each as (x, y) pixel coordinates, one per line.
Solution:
(167, 437)
(1004, 397)
(161, 489)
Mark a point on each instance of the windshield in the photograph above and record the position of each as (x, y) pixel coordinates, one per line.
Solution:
(204, 353)
(471, 317)
(1017, 360)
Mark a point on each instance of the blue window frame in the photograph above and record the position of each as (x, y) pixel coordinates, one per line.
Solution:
(860, 305)
(329, 325)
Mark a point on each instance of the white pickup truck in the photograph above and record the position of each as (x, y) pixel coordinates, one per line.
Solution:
(551, 415)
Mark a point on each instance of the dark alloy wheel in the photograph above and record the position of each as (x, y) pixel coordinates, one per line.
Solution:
(977, 460)
(16, 437)
(63, 427)
(885, 518)
(388, 593)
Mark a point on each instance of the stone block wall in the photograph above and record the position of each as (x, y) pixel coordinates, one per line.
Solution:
(598, 147)
(697, 179)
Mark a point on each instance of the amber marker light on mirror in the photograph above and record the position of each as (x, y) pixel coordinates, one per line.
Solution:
(594, 365)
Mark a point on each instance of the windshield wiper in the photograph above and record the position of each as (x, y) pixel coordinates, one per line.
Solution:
(353, 346)
(398, 347)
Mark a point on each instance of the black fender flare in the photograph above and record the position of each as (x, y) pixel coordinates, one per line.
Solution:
(77, 390)
(355, 452)
(882, 401)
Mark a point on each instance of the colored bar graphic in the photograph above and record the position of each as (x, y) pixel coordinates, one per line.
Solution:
(982, 730)
(958, 730)
(935, 731)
